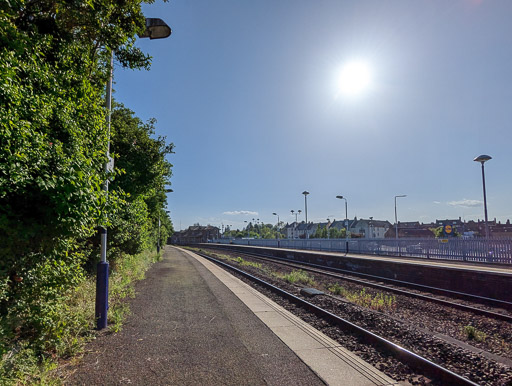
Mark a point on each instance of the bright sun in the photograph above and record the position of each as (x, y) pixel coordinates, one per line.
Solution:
(354, 78)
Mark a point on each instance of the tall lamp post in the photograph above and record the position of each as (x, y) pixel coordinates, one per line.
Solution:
(346, 221)
(305, 193)
(155, 29)
(482, 159)
(275, 214)
(396, 218)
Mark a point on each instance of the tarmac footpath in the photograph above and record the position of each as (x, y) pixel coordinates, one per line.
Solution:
(192, 323)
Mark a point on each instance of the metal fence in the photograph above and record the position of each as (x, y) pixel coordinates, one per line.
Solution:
(497, 251)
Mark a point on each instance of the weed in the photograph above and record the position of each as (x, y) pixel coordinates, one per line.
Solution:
(24, 362)
(117, 316)
(336, 289)
(297, 277)
(473, 334)
(245, 263)
(378, 302)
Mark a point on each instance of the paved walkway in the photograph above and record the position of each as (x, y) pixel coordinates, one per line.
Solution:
(194, 324)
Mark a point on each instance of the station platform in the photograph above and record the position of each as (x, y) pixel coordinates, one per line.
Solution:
(192, 323)
(477, 279)
(410, 260)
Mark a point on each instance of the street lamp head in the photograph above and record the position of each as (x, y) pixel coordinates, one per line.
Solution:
(169, 190)
(305, 192)
(482, 158)
(156, 29)
(340, 197)
(275, 214)
(402, 195)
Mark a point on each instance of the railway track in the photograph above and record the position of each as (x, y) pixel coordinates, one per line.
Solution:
(342, 274)
(433, 340)
(415, 361)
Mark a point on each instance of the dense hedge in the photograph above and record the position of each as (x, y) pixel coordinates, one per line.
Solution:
(53, 68)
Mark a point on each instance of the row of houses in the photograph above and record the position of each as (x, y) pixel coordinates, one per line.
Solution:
(361, 228)
(357, 228)
(378, 229)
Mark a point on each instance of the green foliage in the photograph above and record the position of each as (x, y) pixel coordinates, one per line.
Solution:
(320, 233)
(257, 231)
(336, 289)
(54, 62)
(379, 301)
(145, 172)
(472, 333)
(297, 277)
(245, 263)
(334, 233)
(73, 314)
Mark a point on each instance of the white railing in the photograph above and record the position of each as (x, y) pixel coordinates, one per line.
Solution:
(497, 251)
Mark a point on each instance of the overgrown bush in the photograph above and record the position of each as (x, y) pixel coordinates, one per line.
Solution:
(72, 315)
(54, 62)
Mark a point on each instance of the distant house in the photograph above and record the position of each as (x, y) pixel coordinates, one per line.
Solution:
(502, 230)
(291, 230)
(301, 230)
(196, 234)
(339, 225)
(496, 228)
(369, 228)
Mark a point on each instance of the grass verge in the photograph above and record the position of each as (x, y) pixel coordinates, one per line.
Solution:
(21, 364)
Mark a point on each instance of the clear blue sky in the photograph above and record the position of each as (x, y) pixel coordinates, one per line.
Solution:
(247, 91)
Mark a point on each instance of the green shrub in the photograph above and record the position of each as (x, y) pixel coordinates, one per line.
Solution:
(67, 323)
(473, 334)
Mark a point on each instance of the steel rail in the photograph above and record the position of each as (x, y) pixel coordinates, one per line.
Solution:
(440, 291)
(307, 267)
(429, 368)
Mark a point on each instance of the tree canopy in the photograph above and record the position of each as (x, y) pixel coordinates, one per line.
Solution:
(54, 63)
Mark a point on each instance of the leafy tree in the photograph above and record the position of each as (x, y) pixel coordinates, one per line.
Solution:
(320, 233)
(54, 60)
(334, 233)
(144, 173)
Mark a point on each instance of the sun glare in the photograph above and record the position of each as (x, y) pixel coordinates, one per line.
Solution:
(354, 78)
